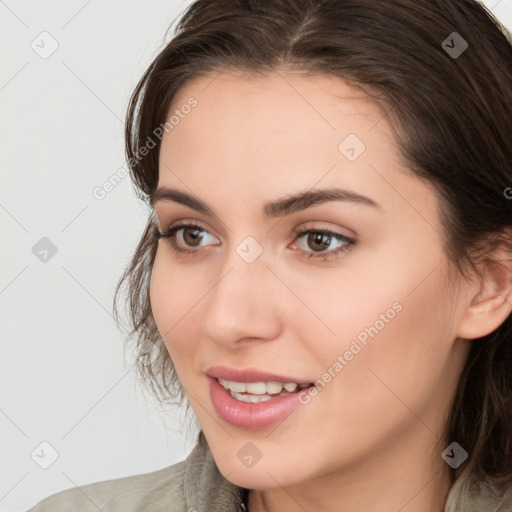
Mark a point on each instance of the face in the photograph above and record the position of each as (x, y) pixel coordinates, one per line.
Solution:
(349, 292)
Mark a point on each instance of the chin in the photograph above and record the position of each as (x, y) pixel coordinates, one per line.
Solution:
(252, 478)
(266, 473)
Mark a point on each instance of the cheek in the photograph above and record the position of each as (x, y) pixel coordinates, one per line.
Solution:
(400, 364)
(392, 320)
(358, 309)
(173, 302)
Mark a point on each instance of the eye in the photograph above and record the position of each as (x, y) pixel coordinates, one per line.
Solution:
(321, 239)
(191, 235)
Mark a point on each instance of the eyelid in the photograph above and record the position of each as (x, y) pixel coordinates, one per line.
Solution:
(325, 226)
(185, 222)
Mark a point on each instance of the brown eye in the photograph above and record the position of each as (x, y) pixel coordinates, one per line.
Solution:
(185, 237)
(318, 241)
(191, 236)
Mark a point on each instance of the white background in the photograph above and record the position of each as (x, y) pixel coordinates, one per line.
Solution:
(63, 376)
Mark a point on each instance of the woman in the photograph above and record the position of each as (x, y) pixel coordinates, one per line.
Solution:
(326, 271)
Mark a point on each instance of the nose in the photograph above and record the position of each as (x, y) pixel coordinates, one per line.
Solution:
(243, 305)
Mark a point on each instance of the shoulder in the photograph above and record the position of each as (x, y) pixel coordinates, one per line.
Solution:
(192, 484)
(154, 491)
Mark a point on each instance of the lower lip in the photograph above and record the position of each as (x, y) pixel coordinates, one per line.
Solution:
(249, 415)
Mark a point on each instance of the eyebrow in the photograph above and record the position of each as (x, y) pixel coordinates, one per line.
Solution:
(278, 208)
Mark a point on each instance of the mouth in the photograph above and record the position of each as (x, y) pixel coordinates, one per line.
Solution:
(255, 400)
(256, 392)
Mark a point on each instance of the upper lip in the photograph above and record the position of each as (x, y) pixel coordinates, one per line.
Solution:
(250, 375)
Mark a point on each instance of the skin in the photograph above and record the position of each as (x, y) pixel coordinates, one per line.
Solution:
(372, 438)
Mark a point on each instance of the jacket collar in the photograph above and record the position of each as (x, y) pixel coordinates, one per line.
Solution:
(469, 496)
(204, 486)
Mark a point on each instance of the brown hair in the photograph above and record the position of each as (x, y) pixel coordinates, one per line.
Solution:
(452, 119)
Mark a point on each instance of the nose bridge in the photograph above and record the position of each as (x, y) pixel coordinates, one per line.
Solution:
(243, 301)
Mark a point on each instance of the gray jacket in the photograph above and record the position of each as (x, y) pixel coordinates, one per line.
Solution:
(196, 485)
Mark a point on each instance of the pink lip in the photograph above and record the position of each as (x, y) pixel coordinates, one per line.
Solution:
(250, 375)
(248, 415)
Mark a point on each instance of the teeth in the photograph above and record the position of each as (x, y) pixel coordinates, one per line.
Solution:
(255, 388)
(239, 387)
(250, 398)
(260, 388)
(272, 388)
(224, 382)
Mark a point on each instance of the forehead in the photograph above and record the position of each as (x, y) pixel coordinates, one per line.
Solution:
(320, 102)
(271, 120)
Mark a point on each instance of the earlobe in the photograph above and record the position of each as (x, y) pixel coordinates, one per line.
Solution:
(490, 306)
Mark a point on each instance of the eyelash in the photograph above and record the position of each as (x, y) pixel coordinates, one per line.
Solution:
(329, 255)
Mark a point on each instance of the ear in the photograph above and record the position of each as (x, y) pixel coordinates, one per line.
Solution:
(492, 303)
